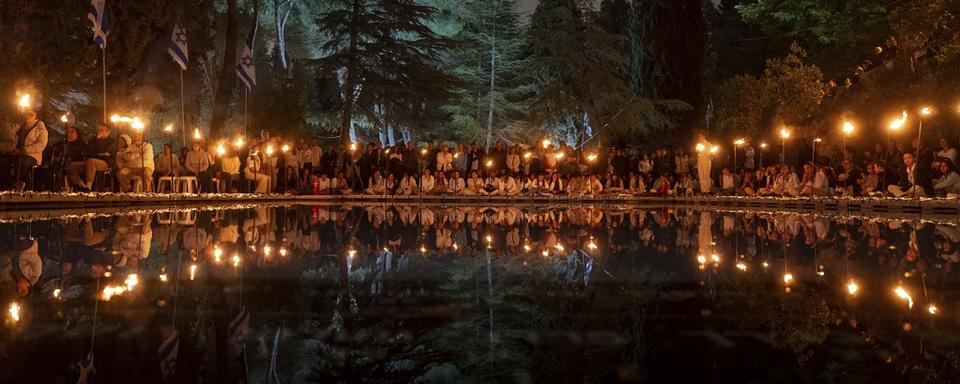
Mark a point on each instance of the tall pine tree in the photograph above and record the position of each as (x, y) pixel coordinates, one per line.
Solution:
(386, 60)
(489, 61)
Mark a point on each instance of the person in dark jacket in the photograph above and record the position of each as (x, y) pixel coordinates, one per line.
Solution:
(100, 156)
(915, 179)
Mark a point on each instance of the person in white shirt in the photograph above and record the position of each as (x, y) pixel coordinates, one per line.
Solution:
(474, 184)
(197, 164)
(456, 184)
(444, 159)
(254, 171)
(340, 183)
(728, 183)
(507, 187)
(427, 182)
(408, 185)
(442, 187)
(139, 156)
(316, 153)
(31, 140)
(377, 185)
(325, 183)
(947, 150)
(614, 184)
(592, 185)
(556, 185)
(815, 184)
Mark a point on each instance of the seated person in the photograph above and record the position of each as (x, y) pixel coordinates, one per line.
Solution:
(254, 171)
(914, 179)
(31, 140)
(441, 187)
(323, 184)
(376, 185)
(408, 185)
(592, 185)
(229, 170)
(685, 186)
(100, 154)
(456, 185)
(167, 164)
(197, 164)
(390, 185)
(555, 185)
(138, 164)
(428, 183)
(728, 183)
(340, 184)
(614, 184)
(637, 185)
(949, 183)
(507, 187)
(491, 184)
(474, 184)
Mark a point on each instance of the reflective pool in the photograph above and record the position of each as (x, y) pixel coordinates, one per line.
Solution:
(478, 294)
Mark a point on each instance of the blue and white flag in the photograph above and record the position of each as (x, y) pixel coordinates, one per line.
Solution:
(168, 353)
(178, 46)
(239, 327)
(101, 28)
(245, 68)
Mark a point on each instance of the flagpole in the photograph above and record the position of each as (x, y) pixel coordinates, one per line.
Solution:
(183, 114)
(246, 91)
(103, 64)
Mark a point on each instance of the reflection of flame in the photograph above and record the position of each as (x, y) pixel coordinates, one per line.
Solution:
(236, 260)
(787, 278)
(715, 258)
(14, 312)
(932, 309)
(193, 271)
(217, 255)
(56, 293)
(903, 294)
(742, 266)
(701, 259)
(131, 281)
(852, 288)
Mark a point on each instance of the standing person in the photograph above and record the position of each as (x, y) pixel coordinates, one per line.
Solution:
(139, 156)
(704, 164)
(460, 158)
(197, 164)
(316, 155)
(17, 164)
(444, 159)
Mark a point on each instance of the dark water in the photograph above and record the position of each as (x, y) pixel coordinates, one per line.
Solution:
(404, 294)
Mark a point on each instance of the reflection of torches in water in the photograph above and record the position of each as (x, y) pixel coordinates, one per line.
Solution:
(112, 290)
(903, 294)
(787, 278)
(14, 312)
(283, 252)
(852, 288)
(217, 255)
(236, 260)
(742, 267)
(267, 250)
(423, 249)
(766, 264)
(56, 293)
(932, 309)
(526, 247)
(560, 248)
(193, 271)
(546, 253)
(592, 246)
(715, 258)
(163, 275)
(131, 281)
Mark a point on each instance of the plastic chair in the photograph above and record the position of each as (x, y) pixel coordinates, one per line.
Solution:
(187, 184)
(167, 183)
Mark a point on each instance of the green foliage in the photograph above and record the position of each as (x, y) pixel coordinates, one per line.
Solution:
(788, 92)
(386, 60)
(930, 24)
(489, 60)
(842, 22)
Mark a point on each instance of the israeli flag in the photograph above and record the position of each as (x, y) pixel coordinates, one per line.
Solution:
(168, 353)
(178, 46)
(101, 28)
(245, 69)
(238, 330)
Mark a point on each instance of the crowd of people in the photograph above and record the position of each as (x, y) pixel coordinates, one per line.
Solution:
(112, 161)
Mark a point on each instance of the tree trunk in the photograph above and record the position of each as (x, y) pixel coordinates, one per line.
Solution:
(391, 137)
(351, 84)
(493, 72)
(221, 100)
(281, 25)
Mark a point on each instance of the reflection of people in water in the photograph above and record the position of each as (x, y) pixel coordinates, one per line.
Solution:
(21, 266)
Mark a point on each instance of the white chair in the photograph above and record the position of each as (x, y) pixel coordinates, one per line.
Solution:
(187, 184)
(167, 184)
(216, 185)
(137, 184)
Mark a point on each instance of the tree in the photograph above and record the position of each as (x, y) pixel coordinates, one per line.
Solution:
(226, 82)
(385, 58)
(788, 92)
(582, 76)
(489, 62)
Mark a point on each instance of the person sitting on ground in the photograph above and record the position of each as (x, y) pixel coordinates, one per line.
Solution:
(592, 185)
(914, 179)
(428, 183)
(574, 185)
(377, 184)
(728, 183)
(685, 186)
(390, 185)
(818, 185)
(556, 186)
(662, 187)
(748, 185)
(17, 164)
(474, 184)
(948, 185)
(340, 184)
(324, 184)
(455, 184)
(138, 164)
(491, 184)
(254, 171)
(870, 182)
(507, 186)
(442, 187)
(849, 179)
(637, 184)
(614, 184)
(408, 185)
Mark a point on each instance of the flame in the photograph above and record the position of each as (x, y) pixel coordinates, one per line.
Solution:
(64, 118)
(236, 260)
(932, 309)
(787, 278)
(238, 142)
(24, 101)
(168, 129)
(701, 147)
(527, 155)
(852, 288)
(739, 142)
(896, 124)
(196, 134)
(283, 252)
(701, 259)
(848, 128)
(742, 266)
(592, 157)
(164, 278)
(903, 294)
(715, 258)
(217, 255)
(137, 124)
(285, 148)
(221, 150)
(714, 149)
(546, 143)
(131, 281)
(193, 271)
(785, 133)
(56, 293)
(14, 312)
